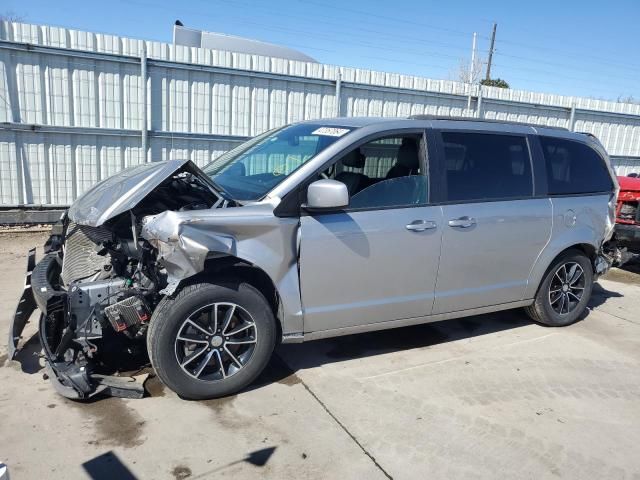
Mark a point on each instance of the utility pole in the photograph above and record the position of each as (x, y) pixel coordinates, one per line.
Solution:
(472, 66)
(493, 41)
(473, 58)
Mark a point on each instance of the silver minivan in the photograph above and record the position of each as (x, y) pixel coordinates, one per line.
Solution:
(313, 230)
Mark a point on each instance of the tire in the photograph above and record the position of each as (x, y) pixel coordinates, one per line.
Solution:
(552, 294)
(177, 333)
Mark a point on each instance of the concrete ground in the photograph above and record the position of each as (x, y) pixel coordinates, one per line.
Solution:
(492, 396)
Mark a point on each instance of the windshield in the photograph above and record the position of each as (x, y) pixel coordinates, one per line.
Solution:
(251, 170)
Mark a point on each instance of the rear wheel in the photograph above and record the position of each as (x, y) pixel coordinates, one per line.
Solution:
(211, 340)
(564, 292)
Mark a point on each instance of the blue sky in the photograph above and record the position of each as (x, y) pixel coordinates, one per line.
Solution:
(586, 48)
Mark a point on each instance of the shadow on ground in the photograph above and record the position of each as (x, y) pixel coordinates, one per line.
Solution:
(106, 467)
(600, 295)
(367, 344)
(290, 358)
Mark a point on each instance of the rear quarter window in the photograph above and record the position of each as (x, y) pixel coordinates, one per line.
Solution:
(574, 168)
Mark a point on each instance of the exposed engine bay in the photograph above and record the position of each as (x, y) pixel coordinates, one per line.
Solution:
(98, 285)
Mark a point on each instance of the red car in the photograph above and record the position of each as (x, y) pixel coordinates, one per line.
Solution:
(627, 231)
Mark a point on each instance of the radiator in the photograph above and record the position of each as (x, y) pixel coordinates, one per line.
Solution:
(81, 259)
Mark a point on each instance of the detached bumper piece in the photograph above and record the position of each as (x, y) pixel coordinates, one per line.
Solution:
(57, 331)
(75, 382)
(26, 306)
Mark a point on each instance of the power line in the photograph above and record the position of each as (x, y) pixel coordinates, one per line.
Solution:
(583, 55)
(335, 39)
(563, 41)
(387, 18)
(555, 64)
(439, 54)
(331, 38)
(557, 84)
(554, 74)
(351, 28)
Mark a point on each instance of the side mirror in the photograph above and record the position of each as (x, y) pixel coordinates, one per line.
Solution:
(327, 195)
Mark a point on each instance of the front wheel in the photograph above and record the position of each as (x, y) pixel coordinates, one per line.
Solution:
(564, 292)
(211, 340)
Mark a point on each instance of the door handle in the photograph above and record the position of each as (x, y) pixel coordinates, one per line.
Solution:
(421, 225)
(462, 222)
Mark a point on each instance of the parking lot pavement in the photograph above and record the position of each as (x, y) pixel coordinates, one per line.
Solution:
(492, 396)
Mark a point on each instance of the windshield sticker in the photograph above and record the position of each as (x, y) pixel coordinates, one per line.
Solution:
(330, 131)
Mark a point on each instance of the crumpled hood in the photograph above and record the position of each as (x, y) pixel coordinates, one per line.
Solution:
(124, 190)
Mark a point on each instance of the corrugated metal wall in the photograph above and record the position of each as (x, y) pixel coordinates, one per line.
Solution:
(72, 106)
(626, 165)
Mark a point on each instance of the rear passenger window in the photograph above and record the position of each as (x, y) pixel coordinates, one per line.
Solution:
(574, 168)
(483, 166)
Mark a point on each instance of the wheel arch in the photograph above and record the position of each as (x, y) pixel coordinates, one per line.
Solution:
(587, 249)
(541, 268)
(542, 309)
(231, 267)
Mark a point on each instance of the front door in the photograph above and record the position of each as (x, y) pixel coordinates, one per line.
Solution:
(377, 260)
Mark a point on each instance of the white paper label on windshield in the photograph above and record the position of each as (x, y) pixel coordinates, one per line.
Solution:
(330, 131)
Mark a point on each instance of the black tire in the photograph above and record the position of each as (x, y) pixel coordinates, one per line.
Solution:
(168, 321)
(542, 310)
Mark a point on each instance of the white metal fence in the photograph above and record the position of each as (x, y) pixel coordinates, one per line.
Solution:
(78, 106)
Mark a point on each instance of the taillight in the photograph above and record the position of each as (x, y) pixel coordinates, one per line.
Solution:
(613, 201)
(613, 198)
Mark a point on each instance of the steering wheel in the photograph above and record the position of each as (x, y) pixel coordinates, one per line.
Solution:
(324, 175)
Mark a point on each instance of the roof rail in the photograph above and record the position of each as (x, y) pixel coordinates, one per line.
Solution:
(592, 137)
(588, 134)
(487, 120)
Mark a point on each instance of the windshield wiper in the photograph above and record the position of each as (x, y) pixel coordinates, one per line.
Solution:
(217, 188)
(220, 189)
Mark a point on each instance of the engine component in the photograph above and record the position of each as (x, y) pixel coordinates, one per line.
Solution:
(84, 297)
(127, 313)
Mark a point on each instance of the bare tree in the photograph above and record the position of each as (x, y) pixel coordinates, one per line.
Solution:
(628, 99)
(465, 71)
(11, 16)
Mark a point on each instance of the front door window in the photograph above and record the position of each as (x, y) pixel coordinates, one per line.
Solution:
(386, 172)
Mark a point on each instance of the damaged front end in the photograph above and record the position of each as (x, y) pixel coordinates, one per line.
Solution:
(99, 280)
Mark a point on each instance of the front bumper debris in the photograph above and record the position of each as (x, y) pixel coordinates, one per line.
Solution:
(74, 382)
(68, 378)
(26, 306)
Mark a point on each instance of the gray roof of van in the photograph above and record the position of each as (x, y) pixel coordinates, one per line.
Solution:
(458, 122)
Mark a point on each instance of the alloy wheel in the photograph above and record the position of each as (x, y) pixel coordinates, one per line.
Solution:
(566, 288)
(216, 341)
